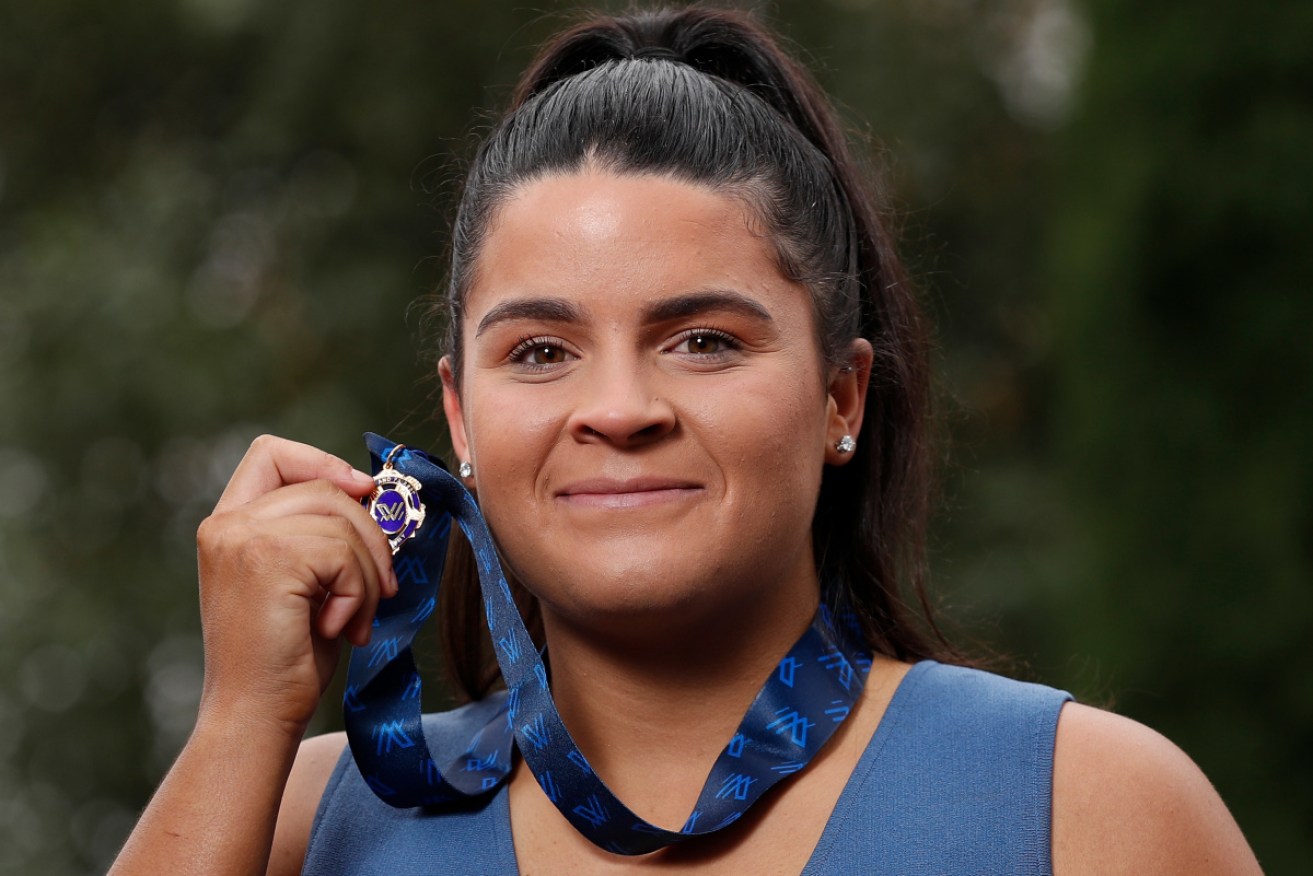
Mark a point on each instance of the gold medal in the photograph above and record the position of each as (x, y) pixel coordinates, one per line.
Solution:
(395, 504)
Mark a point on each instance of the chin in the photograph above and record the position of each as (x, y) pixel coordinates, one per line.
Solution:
(649, 588)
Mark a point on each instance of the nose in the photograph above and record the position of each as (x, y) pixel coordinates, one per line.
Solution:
(619, 404)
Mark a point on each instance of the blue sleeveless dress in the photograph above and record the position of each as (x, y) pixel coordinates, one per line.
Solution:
(957, 779)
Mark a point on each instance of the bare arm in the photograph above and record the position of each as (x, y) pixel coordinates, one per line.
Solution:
(1128, 801)
(290, 565)
(214, 812)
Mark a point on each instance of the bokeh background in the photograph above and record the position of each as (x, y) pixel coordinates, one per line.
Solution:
(217, 216)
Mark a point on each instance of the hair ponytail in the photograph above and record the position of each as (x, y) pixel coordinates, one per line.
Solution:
(708, 96)
(727, 44)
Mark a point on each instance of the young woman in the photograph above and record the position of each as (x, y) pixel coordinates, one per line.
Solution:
(686, 380)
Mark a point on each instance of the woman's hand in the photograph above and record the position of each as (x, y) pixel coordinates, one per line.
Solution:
(289, 564)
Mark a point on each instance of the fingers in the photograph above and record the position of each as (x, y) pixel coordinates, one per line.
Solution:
(343, 566)
(325, 499)
(325, 572)
(273, 462)
(350, 590)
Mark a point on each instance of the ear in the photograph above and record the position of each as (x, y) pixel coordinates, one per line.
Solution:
(847, 399)
(451, 406)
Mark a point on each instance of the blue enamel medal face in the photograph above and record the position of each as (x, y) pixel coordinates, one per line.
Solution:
(395, 506)
(390, 511)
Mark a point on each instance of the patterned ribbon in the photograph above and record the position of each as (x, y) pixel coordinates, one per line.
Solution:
(805, 699)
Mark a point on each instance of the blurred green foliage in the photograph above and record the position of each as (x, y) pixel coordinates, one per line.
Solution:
(216, 217)
(1180, 268)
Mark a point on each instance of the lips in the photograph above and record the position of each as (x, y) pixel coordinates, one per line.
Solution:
(629, 493)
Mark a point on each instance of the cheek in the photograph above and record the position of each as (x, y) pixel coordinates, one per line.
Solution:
(510, 443)
(509, 439)
(769, 437)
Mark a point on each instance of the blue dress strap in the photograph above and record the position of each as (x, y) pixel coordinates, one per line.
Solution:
(957, 779)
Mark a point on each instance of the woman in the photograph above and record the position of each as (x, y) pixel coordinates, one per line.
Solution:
(686, 380)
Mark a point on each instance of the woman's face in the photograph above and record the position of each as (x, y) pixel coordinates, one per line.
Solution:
(644, 401)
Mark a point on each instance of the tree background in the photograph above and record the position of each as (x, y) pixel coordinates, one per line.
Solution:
(217, 216)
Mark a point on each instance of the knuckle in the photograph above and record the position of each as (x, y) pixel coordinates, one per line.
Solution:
(339, 554)
(209, 532)
(345, 530)
(349, 580)
(227, 535)
(327, 488)
(215, 534)
(264, 443)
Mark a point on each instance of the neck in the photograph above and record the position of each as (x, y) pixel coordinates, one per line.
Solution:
(652, 713)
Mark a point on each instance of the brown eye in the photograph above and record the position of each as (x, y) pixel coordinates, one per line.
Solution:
(539, 354)
(704, 344)
(546, 354)
(707, 343)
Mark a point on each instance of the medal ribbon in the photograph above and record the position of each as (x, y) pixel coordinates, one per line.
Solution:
(796, 711)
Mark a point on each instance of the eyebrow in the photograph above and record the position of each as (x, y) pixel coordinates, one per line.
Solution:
(547, 309)
(693, 303)
(665, 310)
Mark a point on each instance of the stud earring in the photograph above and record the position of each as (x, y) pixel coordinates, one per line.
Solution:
(846, 444)
(465, 469)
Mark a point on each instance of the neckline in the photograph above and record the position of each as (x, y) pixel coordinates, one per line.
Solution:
(898, 703)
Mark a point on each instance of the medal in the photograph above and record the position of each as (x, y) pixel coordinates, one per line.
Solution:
(395, 503)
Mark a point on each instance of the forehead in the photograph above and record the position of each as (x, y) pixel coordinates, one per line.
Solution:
(616, 238)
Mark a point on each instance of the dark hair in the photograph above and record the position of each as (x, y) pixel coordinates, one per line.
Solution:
(707, 96)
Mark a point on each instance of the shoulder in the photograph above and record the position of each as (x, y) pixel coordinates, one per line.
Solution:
(314, 764)
(992, 709)
(1126, 800)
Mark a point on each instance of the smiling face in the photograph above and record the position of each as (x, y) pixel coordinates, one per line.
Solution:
(644, 402)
